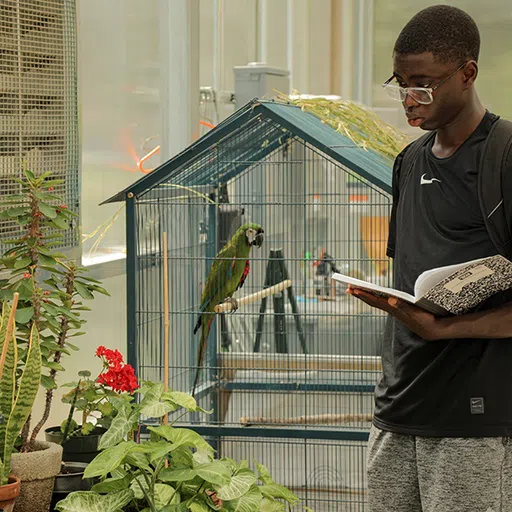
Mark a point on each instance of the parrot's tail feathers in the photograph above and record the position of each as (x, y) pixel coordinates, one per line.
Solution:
(202, 351)
(198, 325)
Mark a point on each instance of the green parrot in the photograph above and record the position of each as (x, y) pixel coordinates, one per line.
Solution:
(227, 274)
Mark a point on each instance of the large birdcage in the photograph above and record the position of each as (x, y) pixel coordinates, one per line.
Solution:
(290, 376)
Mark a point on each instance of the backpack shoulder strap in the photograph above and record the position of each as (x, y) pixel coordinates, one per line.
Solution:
(495, 186)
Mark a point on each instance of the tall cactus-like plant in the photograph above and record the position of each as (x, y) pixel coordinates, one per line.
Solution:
(17, 393)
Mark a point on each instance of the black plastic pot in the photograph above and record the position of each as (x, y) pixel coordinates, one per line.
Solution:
(70, 479)
(77, 448)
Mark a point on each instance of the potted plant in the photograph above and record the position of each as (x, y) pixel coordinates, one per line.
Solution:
(17, 395)
(50, 289)
(93, 399)
(173, 470)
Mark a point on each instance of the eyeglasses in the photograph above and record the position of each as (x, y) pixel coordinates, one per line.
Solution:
(422, 95)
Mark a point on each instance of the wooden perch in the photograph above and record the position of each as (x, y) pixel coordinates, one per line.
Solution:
(225, 307)
(316, 419)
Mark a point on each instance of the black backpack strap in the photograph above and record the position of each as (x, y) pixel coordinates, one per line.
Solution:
(401, 169)
(495, 186)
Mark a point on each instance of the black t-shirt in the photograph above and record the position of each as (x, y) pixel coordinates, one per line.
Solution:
(445, 388)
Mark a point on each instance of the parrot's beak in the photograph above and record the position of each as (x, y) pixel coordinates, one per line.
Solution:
(258, 239)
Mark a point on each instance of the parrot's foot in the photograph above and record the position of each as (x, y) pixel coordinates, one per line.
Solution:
(233, 302)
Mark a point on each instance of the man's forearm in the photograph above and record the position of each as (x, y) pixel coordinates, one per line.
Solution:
(494, 323)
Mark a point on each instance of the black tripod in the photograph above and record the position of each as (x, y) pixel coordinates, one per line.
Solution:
(277, 272)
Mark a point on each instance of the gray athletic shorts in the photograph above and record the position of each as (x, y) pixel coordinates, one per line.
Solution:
(429, 474)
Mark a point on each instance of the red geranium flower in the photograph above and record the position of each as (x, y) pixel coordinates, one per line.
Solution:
(116, 374)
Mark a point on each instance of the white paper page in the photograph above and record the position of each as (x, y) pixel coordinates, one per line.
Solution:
(365, 285)
(430, 278)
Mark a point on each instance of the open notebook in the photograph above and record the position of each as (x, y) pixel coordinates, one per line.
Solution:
(454, 289)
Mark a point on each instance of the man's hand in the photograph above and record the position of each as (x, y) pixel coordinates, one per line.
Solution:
(418, 320)
(488, 324)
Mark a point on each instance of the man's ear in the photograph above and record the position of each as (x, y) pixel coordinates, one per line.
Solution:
(470, 71)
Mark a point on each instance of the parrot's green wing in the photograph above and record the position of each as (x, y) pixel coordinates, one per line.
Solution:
(219, 276)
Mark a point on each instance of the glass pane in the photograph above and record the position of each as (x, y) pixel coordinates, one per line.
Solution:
(120, 109)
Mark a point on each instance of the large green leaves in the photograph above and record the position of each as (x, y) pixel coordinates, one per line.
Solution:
(7, 381)
(88, 501)
(24, 396)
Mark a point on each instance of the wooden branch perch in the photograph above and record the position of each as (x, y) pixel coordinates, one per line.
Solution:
(225, 307)
(316, 419)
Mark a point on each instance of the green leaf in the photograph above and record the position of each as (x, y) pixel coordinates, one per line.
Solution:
(83, 291)
(28, 386)
(182, 437)
(101, 290)
(264, 474)
(23, 262)
(177, 475)
(239, 485)
(271, 506)
(159, 449)
(151, 404)
(87, 428)
(16, 211)
(84, 373)
(163, 494)
(51, 183)
(90, 279)
(215, 472)
(138, 460)
(109, 460)
(183, 400)
(249, 502)
(47, 382)
(54, 366)
(60, 223)
(47, 260)
(201, 457)
(24, 315)
(88, 501)
(29, 174)
(121, 425)
(198, 506)
(280, 492)
(47, 210)
(113, 484)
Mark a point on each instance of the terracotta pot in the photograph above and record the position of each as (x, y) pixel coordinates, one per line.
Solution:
(37, 471)
(9, 493)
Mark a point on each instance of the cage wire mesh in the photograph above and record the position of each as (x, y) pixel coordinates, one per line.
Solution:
(290, 381)
(38, 100)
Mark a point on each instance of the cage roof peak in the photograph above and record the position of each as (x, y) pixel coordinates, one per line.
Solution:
(249, 135)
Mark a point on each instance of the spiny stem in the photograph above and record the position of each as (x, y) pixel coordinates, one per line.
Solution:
(64, 329)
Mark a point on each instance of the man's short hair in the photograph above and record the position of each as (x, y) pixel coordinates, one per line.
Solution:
(447, 32)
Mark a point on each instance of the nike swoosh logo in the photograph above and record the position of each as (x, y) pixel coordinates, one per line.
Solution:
(425, 181)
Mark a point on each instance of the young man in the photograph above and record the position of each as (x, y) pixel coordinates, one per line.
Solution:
(443, 418)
